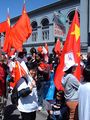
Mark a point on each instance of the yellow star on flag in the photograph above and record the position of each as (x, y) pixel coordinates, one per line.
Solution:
(78, 54)
(76, 32)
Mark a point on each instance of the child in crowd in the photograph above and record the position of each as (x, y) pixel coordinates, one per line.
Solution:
(59, 109)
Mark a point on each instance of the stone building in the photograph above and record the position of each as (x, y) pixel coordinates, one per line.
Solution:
(43, 24)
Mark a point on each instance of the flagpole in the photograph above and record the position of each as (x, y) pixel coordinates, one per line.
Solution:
(8, 10)
(24, 1)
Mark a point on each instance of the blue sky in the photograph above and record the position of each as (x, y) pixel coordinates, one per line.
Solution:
(15, 7)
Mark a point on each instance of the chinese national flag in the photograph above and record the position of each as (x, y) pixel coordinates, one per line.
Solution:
(72, 44)
(18, 34)
(17, 73)
(57, 48)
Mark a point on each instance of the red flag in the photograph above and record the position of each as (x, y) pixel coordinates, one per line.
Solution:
(7, 46)
(18, 34)
(5, 25)
(12, 52)
(57, 48)
(17, 73)
(23, 27)
(72, 45)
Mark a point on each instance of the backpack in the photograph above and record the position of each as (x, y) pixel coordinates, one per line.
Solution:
(14, 95)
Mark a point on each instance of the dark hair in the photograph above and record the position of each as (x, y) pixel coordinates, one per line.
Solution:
(61, 94)
(86, 73)
(21, 55)
(24, 51)
(31, 65)
(69, 70)
(33, 50)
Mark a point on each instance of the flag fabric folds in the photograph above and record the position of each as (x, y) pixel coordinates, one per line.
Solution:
(17, 72)
(3, 26)
(18, 33)
(6, 47)
(71, 47)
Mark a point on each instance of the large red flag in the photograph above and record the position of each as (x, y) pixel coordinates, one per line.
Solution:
(71, 47)
(19, 33)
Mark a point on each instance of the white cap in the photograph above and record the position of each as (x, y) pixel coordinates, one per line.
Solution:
(69, 64)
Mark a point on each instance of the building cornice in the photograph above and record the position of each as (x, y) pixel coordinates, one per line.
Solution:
(50, 7)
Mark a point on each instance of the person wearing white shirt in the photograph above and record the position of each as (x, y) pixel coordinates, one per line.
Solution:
(84, 96)
(28, 99)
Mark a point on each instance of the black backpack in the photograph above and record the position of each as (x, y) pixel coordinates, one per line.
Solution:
(14, 95)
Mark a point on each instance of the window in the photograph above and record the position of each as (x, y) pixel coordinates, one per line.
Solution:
(45, 29)
(45, 34)
(34, 31)
(71, 15)
(34, 36)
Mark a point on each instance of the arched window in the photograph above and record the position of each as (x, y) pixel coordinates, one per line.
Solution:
(34, 31)
(71, 15)
(34, 25)
(45, 29)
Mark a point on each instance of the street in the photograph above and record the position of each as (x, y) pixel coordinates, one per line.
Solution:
(12, 113)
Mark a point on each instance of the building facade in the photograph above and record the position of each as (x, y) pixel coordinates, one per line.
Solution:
(44, 28)
(85, 22)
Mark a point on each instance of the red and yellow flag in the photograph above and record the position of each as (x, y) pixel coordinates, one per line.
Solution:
(72, 44)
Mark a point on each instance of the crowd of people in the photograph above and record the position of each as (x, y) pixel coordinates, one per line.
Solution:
(36, 87)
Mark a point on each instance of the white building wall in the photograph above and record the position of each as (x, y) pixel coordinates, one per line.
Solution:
(84, 20)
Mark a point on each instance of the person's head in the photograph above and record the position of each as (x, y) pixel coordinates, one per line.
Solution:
(33, 51)
(3, 57)
(70, 67)
(21, 55)
(86, 73)
(60, 96)
(24, 51)
(32, 67)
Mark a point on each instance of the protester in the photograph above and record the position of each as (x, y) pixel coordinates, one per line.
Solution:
(49, 91)
(59, 110)
(43, 75)
(22, 56)
(28, 99)
(33, 53)
(71, 85)
(84, 95)
(3, 74)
